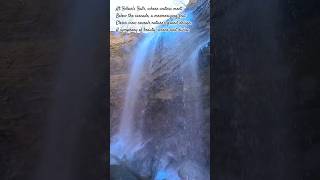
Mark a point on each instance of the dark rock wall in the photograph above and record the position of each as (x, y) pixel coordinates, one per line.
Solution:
(266, 90)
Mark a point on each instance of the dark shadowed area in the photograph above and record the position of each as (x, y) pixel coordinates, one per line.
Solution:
(53, 99)
(266, 90)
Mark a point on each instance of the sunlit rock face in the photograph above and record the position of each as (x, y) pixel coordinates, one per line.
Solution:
(171, 112)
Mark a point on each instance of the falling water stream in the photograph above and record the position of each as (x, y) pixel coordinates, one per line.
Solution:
(174, 55)
(128, 141)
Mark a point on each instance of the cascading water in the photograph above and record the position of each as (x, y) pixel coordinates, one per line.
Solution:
(174, 149)
(127, 141)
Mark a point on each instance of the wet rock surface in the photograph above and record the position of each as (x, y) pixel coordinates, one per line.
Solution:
(120, 172)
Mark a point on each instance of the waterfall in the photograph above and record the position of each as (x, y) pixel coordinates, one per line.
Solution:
(173, 57)
(127, 141)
